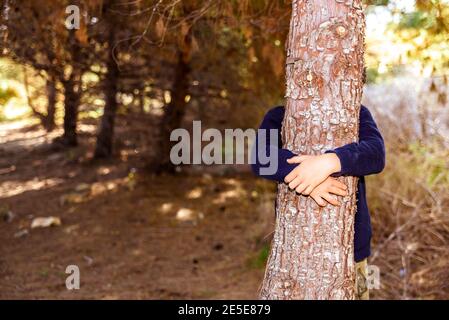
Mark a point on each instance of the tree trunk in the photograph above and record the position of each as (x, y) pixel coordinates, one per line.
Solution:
(312, 254)
(106, 134)
(49, 122)
(47, 119)
(72, 98)
(175, 110)
(72, 93)
(141, 100)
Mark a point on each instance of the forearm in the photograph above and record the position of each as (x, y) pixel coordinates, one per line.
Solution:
(282, 167)
(360, 159)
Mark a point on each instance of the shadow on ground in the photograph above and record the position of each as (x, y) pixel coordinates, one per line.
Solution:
(133, 235)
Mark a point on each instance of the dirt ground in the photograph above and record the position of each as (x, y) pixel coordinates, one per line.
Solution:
(133, 235)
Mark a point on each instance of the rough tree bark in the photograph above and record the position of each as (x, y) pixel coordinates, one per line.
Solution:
(72, 98)
(312, 254)
(106, 133)
(72, 94)
(49, 122)
(47, 119)
(176, 109)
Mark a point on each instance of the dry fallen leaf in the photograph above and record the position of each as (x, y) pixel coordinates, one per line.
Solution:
(45, 222)
(185, 215)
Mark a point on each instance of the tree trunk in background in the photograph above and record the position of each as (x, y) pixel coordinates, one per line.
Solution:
(312, 254)
(72, 99)
(72, 93)
(106, 134)
(49, 122)
(175, 110)
(141, 100)
(47, 119)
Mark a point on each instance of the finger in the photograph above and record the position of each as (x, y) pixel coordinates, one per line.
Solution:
(293, 160)
(290, 177)
(329, 198)
(338, 191)
(339, 184)
(295, 183)
(308, 190)
(300, 189)
(319, 201)
(297, 159)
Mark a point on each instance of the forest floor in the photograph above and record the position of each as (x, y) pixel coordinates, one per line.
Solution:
(132, 235)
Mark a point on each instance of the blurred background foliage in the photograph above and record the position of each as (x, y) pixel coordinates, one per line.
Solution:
(116, 87)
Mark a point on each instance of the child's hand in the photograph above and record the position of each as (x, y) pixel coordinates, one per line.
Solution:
(326, 191)
(312, 171)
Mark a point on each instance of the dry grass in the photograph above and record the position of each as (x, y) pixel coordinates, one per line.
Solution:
(409, 201)
(409, 207)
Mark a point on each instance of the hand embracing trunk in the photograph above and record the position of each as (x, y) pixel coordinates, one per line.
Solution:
(312, 254)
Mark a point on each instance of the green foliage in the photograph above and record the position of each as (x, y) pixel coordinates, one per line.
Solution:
(431, 163)
(416, 20)
(373, 75)
(10, 70)
(377, 2)
(426, 30)
(6, 94)
(259, 261)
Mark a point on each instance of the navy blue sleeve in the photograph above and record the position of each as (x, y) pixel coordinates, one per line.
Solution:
(273, 147)
(366, 157)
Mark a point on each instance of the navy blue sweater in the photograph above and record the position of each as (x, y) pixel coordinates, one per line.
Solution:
(357, 159)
